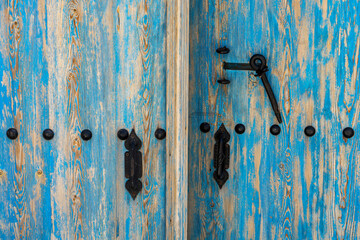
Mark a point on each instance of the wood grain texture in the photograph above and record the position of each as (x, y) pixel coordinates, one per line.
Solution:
(177, 87)
(289, 186)
(71, 65)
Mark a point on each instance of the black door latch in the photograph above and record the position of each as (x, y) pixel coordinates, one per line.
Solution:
(258, 64)
(133, 164)
(221, 155)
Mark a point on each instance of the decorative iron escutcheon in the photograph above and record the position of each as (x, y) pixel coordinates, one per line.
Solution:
(133, 164)
(221, 156)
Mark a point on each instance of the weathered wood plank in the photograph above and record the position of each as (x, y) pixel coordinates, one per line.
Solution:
(141, 106)
(16, 168)
(98, 105)
(7, 165)
(177, 101)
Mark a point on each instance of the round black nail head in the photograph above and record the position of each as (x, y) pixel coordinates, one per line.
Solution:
(309, 131)
(223, 81)
(348, 132)
(86, 135)
(160, 134)
(240, 128)
(123, 134)
(12, 133)
(223, 50)
(205, 127)
(48, 134)
(275, 130)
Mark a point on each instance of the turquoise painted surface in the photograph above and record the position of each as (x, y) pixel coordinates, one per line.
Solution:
(69, 66)
(288, 186)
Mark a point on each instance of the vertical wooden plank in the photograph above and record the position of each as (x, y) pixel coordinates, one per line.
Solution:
(177, 101)
(152, 37)
(98, 109)
(7, 164)
(300, 108)
(140, 79)
(38, 155)
(58, 51)
(15, 169)
(211, 210)
(128, 221)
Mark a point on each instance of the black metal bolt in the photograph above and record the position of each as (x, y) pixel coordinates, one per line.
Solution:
(12, 133)
(86, 134)
(223, 50)
(348, 132)
(309, 131)
(48, 134)
(205, 127)
(160, 134)
(240, 128)
(275, 130)
(223, 81)
(123, 134)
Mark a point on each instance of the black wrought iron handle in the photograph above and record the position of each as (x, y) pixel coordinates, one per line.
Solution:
(133, 161)
(221, 155)
(257, 63)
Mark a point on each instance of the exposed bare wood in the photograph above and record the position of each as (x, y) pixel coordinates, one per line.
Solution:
(177, 89)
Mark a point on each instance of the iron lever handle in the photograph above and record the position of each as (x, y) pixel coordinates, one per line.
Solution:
(257, 63)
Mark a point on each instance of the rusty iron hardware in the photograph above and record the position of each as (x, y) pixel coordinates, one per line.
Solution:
(258, 64)
(133, 164)
(221, 155)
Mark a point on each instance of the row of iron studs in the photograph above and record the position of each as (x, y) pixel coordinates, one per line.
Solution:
(160, 133)
(275, 130)
(86, 134)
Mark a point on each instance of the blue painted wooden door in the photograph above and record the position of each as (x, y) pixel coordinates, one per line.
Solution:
(71, 65)
(288, 186)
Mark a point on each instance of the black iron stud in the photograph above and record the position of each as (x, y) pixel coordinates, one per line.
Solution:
(48, 134)
(160, 134)
(123, 134)
(240, 128)
(275, 130)
(86, 135)
(309, 131)
(348, 132)
(223, 50)
(223, 81)
(12, 133)
(205, 127)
